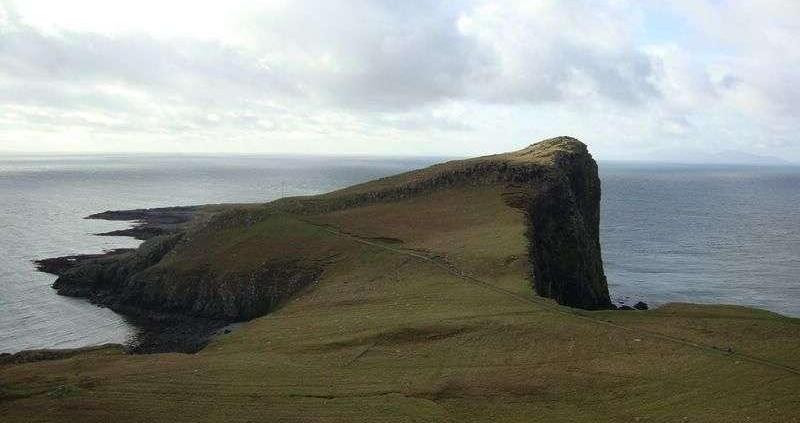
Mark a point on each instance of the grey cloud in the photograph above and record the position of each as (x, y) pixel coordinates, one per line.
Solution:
(384, 55)
(61, 68)
(399, 57)
(361, 68)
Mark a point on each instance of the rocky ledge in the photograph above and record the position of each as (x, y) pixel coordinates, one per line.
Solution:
(170, 319)
(148, 223)
(562, 206)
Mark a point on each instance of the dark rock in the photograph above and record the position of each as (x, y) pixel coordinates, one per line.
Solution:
(149, 223)
(133, 284)
(162, 216)
(139, 231)
(163, 332)
(60, 265)
(100, 278)
(641, 305)
(562, 205)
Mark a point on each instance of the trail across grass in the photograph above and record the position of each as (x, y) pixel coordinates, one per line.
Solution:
(539, 302)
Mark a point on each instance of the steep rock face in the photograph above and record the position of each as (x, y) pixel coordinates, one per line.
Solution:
(103, 276)
(230, 296)
(563, 212)
(133, 283)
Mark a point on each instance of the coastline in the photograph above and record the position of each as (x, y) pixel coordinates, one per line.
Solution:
(162, 330)
(156, 332)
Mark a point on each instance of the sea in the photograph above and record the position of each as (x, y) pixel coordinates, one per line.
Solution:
(691, 233)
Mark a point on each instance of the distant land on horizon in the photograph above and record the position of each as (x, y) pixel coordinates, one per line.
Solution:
(724, 157)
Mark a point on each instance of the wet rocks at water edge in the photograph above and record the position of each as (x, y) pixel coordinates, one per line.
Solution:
(639, 305)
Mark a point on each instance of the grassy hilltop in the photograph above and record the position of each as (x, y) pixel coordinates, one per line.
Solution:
(410, 298)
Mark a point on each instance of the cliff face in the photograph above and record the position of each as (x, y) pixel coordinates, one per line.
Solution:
(242, 262)
(563, 213)
(138, 283)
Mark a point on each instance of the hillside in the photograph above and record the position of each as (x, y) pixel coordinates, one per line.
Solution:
(210, 270)
(410, 298)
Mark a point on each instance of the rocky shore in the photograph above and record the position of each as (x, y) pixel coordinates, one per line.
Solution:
(156, 331)
(148, 223)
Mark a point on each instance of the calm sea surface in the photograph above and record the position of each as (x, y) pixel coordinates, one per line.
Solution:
(669, 233)
(704, 234)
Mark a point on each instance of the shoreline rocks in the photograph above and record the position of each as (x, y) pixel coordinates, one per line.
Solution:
(60, 265)
(148, 223)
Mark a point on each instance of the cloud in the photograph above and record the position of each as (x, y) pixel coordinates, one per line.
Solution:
(758, 52)
(397, 55)
(375, 55)
(60, 63)
(551, 51)
(360, 75)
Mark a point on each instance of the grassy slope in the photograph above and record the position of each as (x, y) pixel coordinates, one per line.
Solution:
(425, 314)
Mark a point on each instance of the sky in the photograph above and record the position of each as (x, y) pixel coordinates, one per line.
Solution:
(685, 80)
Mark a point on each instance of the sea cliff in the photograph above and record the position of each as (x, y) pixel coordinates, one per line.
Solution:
(554, 182)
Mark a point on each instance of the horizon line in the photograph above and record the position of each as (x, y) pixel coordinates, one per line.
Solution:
(12, 153)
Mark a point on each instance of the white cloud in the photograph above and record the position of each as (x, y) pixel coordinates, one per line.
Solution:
(459, 77)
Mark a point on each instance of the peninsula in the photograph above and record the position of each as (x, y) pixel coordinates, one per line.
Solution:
(472, 290)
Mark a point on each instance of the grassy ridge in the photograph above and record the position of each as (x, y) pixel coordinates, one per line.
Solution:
(388, 336)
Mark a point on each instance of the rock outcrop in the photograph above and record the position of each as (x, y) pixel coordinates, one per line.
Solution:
(563, 212)
(132, 282)
(149, 223)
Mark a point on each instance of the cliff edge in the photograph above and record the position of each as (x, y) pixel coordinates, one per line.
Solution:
(563, 214)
